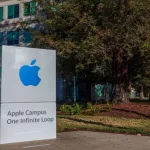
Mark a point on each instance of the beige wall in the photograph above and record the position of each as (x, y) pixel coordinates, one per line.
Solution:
(11, 24)
(4, 0)
(11, 2)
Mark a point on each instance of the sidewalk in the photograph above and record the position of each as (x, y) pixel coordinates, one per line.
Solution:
(85, 140)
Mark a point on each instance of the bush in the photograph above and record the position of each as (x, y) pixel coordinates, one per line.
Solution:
(105, 108)
(74, 109)
(109, 106)
(90, 110)
(65, 109)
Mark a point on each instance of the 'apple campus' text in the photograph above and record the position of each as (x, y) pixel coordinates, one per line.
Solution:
(30, 117)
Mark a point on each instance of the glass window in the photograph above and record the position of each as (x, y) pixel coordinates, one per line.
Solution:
(1, 13)
(16, 37)
(12, 37)
(13, 11)
(1, 38)
(27, 37)
(29, 8)
(10, 11)
(26, 9)
(32, 8)
(16, 11)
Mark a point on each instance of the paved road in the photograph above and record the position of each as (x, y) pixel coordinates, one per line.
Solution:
(86, 141)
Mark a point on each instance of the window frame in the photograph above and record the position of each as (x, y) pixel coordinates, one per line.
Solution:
(2, 18)
(29, 9)
(11, 35)
(27, 40)
(15, 8)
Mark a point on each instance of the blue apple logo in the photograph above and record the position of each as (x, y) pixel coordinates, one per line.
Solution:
(29, 74)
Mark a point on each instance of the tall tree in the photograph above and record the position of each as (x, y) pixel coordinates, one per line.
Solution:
(141, 72)
(125, 28)
(98, 38)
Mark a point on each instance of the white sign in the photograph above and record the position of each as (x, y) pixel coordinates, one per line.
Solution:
(27, 122)
(28, 95)
(28, 75)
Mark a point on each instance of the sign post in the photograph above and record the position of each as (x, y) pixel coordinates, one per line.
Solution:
(28, 94)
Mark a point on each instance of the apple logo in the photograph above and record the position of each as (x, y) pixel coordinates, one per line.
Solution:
(29, 74)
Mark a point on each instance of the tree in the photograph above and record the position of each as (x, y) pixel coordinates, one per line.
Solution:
(70, 28)
(125, 28)
(97, 38)
(141, 76)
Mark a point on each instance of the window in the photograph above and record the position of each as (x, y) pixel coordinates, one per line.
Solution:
(1, 13)
(13, 11)
(1, 43)
(1, 61)
(29, 8)
(27, 37)
(1, 38)
(12, 37)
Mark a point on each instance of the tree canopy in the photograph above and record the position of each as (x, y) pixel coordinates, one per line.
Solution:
(106, 40)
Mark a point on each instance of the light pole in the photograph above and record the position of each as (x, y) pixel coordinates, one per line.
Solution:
(74, 81)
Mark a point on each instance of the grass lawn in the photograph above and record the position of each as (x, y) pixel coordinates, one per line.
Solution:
(103, 124)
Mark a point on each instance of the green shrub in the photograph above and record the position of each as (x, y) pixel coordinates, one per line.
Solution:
(74, 109)
(99, 109)
(65, 109)
(90, 110)
(109, 106)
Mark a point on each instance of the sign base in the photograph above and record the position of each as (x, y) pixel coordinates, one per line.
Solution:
(21, 122)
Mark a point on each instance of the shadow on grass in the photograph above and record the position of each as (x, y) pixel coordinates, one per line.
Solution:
(110, 128)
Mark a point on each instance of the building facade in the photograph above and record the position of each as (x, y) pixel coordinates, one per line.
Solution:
(12, 13)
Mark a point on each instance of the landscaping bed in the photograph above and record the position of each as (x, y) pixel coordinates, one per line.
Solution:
(131, 118)
(130, 110)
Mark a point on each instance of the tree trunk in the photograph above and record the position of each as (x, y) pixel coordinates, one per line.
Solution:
(120, 95)
(122, 87)
(141, 93)
(149, 96)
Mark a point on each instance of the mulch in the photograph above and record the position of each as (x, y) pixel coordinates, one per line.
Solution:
(130, 110)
